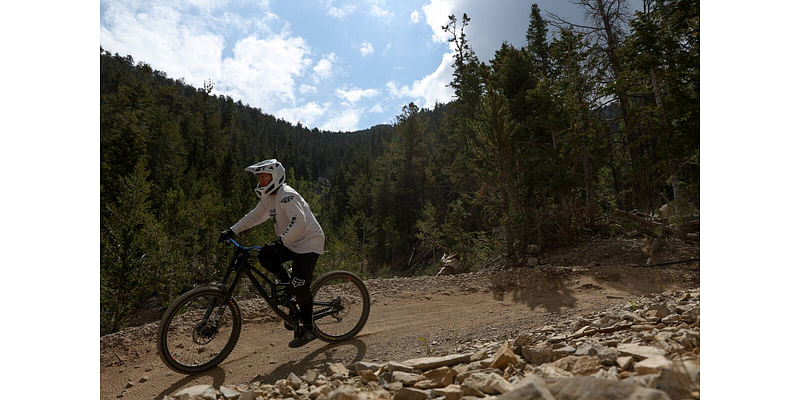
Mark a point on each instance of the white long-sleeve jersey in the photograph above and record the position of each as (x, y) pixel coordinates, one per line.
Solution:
(294, 222)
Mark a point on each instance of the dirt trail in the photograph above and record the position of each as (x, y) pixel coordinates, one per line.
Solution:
(410, 318)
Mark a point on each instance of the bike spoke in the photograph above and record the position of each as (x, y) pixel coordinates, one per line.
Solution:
(338, 306)
(193, 341)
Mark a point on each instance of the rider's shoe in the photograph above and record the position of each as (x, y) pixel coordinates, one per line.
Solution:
(303, 336)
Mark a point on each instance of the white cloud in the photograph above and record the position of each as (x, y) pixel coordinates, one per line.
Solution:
(377, 9)
(324, 67)
(186, 39)
(366, 48)
(161, 37)
(353, 95)
(377, 108)
(345, 121)
(307, 113)
(414, 17)
(307, 89)
(436, 13)
(262, 71)
(430, 89)
(340, 13)
(490, 24)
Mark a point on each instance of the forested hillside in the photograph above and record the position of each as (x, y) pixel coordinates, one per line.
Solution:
(540, 145)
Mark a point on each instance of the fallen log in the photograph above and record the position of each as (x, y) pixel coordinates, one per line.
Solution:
(687, 260)
(645, 225)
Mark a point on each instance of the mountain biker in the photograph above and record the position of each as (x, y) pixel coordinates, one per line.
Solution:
(300, 238)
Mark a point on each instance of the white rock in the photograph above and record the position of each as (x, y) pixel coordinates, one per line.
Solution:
(198, 392)
(451, 392)
(406, 378)
(639, 352)
(652, 365)
(490, 383)
(427, 363)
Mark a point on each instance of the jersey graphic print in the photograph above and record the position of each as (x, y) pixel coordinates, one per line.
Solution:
(287, 199)
(297, 282)
(289, 227)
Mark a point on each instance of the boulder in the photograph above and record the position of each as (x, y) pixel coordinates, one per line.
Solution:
(550, 373)
(652, 365)
(479, 355)
(440, 377)
(611, 373)
(607, 356)
(198, 392)
(590, 388)
(578, 365)
(229, 392)
(337, 370)
(624, 362)
(361, 365)
(563, 352)
(396, 366)
(368, 375)
(310, 376)
(586, 349)
(658, 310)
(427, 363)
(488, 383)
(639, 352)
(410, 394)
(531, 387)
(538, 354)
(504, 357)
(322, 390)
(585, 331)
(451, 392)
(525, 339)
(344, 392)
(678, 383)
(406, 378)
(294, 381)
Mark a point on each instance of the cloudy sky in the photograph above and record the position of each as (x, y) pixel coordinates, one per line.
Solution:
(332, 64)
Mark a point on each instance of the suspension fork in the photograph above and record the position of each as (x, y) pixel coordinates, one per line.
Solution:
(236, 265)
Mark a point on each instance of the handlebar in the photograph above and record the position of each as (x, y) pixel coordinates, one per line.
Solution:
(240, 247)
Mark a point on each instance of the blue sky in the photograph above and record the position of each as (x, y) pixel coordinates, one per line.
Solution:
(332, 64)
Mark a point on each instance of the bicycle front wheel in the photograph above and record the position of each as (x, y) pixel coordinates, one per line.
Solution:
(341, 305)
(199, 330)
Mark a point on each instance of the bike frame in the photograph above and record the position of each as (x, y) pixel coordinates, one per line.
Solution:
(241, 265)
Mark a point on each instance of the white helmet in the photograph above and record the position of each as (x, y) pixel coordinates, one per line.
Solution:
(272, 167)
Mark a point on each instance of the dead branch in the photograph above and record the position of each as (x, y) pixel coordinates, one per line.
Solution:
(661, 264)
(645, 225)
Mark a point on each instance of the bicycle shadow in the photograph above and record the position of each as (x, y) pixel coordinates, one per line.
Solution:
(217, 375)
(330, 353)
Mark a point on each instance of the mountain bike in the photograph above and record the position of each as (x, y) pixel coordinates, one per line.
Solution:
(200, 329)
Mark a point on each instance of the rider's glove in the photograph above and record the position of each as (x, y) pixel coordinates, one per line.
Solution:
(275, 242)
(225, 235)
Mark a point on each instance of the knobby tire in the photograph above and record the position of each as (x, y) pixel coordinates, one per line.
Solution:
(191, 319)
(350, 289)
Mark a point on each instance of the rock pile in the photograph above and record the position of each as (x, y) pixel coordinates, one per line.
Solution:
(647, 349)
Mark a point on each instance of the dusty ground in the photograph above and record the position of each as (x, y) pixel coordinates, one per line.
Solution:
(415, 317)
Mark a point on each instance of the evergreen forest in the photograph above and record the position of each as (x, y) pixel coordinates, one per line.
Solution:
(540, 145)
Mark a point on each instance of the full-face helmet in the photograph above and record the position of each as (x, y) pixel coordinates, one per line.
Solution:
(272, 167)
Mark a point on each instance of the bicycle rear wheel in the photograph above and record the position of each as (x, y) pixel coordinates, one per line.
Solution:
(341, 305)
(199, 330)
